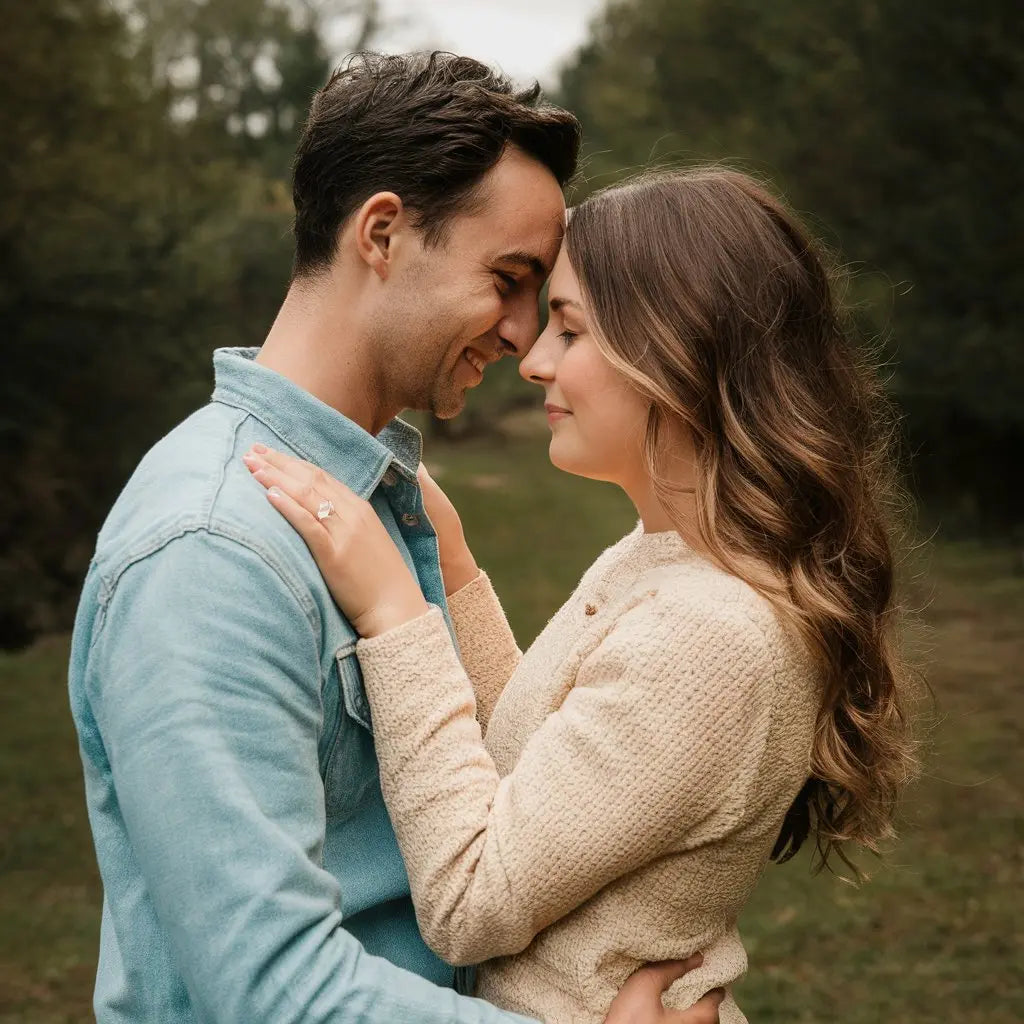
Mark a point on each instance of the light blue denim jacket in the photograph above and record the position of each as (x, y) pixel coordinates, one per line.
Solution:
(249, 867)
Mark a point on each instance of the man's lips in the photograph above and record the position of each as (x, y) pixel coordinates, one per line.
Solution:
(479, 362)
(476, 360)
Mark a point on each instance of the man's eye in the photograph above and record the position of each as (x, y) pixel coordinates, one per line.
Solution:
(506, 282)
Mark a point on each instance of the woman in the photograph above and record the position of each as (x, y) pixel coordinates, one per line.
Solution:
(722, 684)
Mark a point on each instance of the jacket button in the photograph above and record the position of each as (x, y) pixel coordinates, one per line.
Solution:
(590, 610)
(410, 519)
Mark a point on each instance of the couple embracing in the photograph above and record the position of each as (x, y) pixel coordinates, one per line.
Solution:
(323, 781)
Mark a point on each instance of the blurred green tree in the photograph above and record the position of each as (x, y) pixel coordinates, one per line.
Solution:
(136, 234)
(241, 73)
(900, 123)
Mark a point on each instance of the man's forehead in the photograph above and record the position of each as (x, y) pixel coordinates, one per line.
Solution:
(532, 247)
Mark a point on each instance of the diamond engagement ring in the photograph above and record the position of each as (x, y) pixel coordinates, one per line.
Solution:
(325, 509)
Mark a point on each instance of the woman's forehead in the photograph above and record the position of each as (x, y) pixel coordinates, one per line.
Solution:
(563, 277)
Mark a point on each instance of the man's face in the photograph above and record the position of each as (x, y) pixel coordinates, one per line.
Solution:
(453, 308)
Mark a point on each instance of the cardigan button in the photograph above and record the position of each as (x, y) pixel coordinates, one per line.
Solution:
(590, 610)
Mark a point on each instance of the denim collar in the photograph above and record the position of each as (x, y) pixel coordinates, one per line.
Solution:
(317, 432)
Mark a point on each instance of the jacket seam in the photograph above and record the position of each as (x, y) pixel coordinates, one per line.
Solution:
(250, 414)
(375, 478)
(112, 581)
(225, 462)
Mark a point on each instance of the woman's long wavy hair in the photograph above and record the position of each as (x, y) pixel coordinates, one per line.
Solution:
(707, 294)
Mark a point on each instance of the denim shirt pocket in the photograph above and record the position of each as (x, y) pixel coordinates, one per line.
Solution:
(350, 772)
(353, 692)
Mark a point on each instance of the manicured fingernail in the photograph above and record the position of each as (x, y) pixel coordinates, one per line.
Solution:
(250, 460)
(275, 492)
(260, 449)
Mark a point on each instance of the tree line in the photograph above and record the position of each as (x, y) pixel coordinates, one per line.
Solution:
(145, 211)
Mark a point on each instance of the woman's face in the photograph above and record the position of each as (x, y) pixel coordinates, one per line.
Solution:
(597, 418)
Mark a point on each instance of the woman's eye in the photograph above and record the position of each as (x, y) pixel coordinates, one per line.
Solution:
(568, 336)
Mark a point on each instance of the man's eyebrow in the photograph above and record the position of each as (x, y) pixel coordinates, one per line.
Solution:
(556, 304)
(526, 260)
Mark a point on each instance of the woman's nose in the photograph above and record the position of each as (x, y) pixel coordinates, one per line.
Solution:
(536, 367)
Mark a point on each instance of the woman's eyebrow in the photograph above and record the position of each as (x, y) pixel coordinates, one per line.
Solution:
(556, 304)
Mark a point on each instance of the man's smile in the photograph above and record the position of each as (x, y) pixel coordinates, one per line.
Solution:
(477, 361)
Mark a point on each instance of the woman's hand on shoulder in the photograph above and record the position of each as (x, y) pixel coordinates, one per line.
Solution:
(639, 999)
(458, 567)
(363, 569)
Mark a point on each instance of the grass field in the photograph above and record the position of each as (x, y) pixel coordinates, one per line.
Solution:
(934, 937)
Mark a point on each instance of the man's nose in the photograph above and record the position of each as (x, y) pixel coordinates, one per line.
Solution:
(518, 331)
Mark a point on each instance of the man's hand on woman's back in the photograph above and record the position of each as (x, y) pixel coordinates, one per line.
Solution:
(639, 999)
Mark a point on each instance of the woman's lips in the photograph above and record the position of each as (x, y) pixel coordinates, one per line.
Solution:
(556, 412)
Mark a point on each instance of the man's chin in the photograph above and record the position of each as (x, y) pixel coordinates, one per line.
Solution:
(447, 407)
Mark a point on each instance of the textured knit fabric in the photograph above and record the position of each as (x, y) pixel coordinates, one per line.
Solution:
(638, 762)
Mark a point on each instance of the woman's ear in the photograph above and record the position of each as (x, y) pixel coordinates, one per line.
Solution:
(377, 222)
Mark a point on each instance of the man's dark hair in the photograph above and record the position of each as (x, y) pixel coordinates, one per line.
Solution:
(427, 127)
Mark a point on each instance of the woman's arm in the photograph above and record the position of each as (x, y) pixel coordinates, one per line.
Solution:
(489, 650)
(656, 737)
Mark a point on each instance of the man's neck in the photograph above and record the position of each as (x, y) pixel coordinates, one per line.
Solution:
(315, 342)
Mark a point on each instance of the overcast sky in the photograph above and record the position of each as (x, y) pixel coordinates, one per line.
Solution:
(526, 38)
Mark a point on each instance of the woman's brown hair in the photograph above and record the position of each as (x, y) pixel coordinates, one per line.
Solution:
(707, 294)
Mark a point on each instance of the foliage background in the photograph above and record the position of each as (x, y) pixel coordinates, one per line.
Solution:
(144, 221)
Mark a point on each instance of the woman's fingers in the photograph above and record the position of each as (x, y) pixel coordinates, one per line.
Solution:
(316, 483)
(309, 528)
(302, 487)
(281, 460)
(309, 489)
(301, 470)
(271, 476)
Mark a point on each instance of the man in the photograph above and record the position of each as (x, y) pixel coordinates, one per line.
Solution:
(250, 870)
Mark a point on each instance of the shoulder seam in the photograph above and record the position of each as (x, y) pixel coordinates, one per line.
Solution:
(225, 462)
(302, 599)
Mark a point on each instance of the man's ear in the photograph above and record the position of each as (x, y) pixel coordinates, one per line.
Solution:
(377, 222)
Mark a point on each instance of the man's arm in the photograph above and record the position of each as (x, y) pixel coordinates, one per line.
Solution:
(205, 682)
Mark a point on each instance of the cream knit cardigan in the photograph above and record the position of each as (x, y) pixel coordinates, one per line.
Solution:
(635, 768)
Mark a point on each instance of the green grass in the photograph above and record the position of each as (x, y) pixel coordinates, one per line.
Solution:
(935, 936)
(49, 886)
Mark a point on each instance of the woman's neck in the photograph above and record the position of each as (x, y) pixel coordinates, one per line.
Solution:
(681, 512)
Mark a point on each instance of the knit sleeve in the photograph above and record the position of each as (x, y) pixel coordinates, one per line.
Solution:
(489, 650)
(662, 733)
